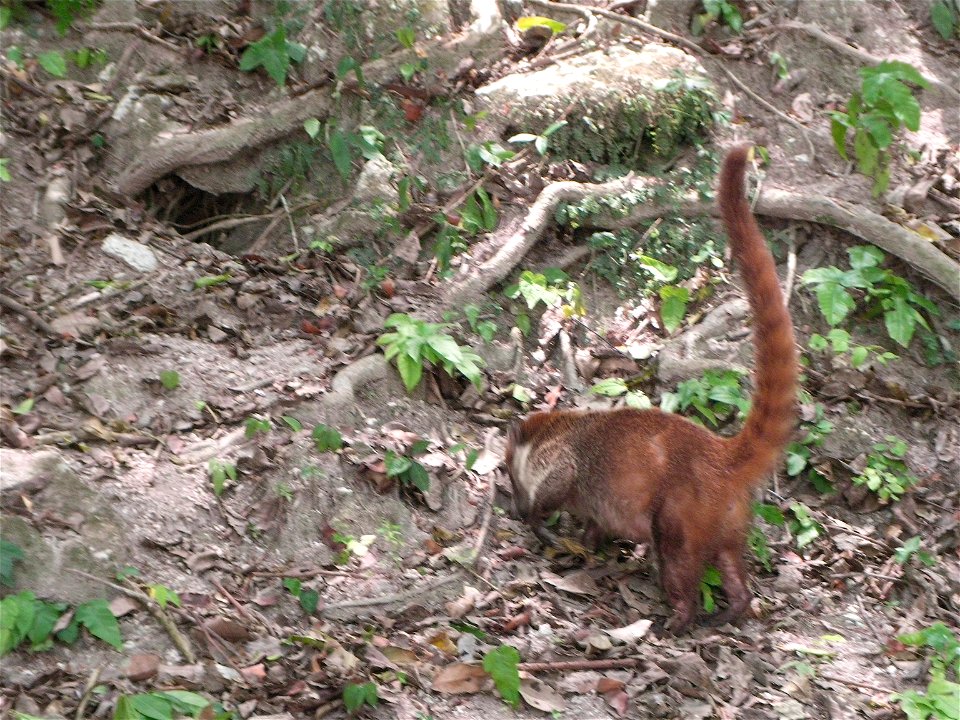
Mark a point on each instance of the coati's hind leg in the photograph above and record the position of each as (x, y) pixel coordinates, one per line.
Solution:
(733, 572)
(681, 567)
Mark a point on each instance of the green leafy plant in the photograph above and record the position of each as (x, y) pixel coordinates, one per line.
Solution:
(913, 548)
(407, 470)
(66, 11)
(882, 290)
(447, 243)
(716, 11)
(170, 379)
(488, 153)
(164, 705)
(24, 407)
(9, 554)
(25, 618)
(800, 452)
(478, 213)
(274, 53)
(617, 387)
(163, 595)
(326, 438)
(356, 695)
(220, 471)
(5, 175)
(486, 329)
(501, 664)
(415, 342)
(308, 598)
(540, 141)
(885, 473)
(757, 540)
(779, 63)
(716, 396)
(552, 287)
(674, 306)
(255, 424)
(940, 699)
(945, 16)
(709, 584)
(838, 340)
(804, 527)
(86, 56)
(880, 108)
(54, 62)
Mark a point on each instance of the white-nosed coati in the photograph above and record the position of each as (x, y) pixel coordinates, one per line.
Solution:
(644, 475)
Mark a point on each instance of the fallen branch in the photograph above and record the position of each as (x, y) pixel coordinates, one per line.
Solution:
(10, 304)
(568, 665)
(856, 220)
(815, 31)
(392, 598)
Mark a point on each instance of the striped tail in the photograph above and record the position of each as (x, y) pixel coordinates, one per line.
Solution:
(755, 450)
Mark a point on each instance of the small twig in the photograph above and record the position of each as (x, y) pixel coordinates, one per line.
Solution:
(392, 598)
(853, 683)
(129, 27)
(485, 525)
(227, 224)
(38, 322)
(87, 693)
(566, 665)
(293, 227)
(131, 590)
(233, 601)
(772, 108)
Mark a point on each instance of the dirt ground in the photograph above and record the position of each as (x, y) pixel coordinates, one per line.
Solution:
(109, 463)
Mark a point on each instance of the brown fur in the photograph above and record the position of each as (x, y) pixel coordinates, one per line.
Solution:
(649, 475)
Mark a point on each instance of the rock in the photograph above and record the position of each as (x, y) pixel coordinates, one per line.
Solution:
(609, 98)
(142, 666)
(720, 342)
(134, 254)
(26, 471)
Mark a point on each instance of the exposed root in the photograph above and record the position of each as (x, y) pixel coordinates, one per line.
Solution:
(856, 220)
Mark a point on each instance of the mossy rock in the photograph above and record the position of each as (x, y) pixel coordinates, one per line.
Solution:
(624, 104)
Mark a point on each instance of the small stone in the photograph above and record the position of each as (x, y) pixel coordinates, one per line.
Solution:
(142, 666)
(134, 254)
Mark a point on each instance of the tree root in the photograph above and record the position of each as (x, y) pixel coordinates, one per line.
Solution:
(284, 117)
(856, 220)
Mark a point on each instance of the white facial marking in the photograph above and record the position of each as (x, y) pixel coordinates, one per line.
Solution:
(528, 477)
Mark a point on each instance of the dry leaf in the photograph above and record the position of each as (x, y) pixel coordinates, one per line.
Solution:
(578, 583)
(227, 629)
(631, 633)
(538, 695)
(460, 679)
(142, 666)
(464, 604)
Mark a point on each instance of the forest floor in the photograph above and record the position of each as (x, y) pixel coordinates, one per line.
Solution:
(213, 410)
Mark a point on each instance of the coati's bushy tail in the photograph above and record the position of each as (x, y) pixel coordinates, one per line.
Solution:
(755, 450)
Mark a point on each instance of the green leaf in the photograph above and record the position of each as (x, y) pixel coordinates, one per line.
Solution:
(326, 438)
(152, 706)
(501, 664)
(858, 356)
(312, 127)
(355, 695)
(835, 302)
(9, 554)
(418, 476)
(53, 62)
(406, 36)
(610, 387)
(170, 379)
(5, 175)
(900, 321)
(796, 462)
(878, 126)
(867, 153)
(24, 407)
(396, 464)
(943, 19)
(865, 256)
(211, 280)
(530, 21)
(97, 618)
(838, 130)
(769, 513)
(292, 423)
(340, 150)
(410, 371)
(661, 271)
(674, 306)
(272, 52)
(164, 595)
(309, 599)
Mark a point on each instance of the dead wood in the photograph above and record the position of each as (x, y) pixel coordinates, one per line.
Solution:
(854, 219)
